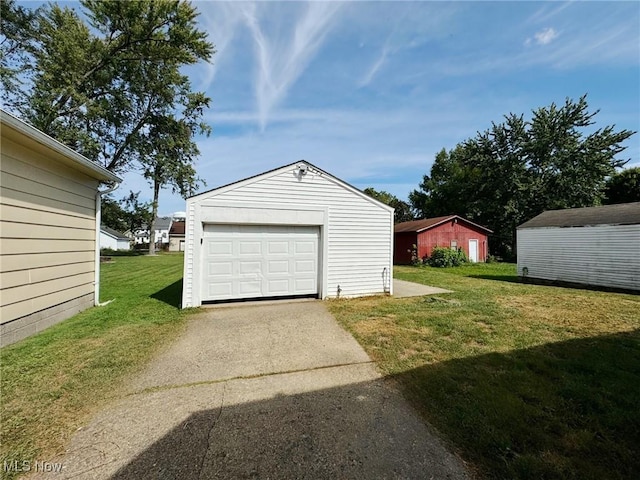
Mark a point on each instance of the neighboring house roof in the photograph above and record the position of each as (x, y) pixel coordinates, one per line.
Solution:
(620, 214)
(12, 125)
(162, 223)
(309, 167)
(417, 226)
(177, 228)
(113, 233)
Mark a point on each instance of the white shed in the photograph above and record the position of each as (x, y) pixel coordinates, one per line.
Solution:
(113, 240)
(293, 231)
(597, 246)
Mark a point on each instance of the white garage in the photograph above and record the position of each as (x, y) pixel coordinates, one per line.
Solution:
(296, 231)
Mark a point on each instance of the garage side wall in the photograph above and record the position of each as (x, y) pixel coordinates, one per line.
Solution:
(47, 241)
(356, 233)
(606, 255)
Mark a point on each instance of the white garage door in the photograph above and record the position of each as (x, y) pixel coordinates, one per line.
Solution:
(255, 261)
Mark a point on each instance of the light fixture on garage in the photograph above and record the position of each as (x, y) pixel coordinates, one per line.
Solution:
(302, 170)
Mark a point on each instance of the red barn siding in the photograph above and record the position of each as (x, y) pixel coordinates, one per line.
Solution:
(440, 236)
(403, 244)
(443, 235)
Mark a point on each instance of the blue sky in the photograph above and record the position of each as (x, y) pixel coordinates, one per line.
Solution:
(371, 91)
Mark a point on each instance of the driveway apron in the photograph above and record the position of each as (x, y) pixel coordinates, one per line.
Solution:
(273, 391)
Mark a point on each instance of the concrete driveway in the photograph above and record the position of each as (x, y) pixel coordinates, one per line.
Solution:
(270, 391)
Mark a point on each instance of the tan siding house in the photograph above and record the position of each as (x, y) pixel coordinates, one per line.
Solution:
(49, 202)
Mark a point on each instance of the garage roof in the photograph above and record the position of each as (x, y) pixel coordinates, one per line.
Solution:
(417, 226)
(620, 214)
(294, 165)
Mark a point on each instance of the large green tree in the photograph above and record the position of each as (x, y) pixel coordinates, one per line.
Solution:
(113, 88)
(623, 187)
(519, 168)
(402, 210)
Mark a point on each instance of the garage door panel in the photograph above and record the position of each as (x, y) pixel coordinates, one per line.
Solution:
(219, 289)
(253, 261)
(278, 267)
(219, 269)
(279, 247)
(218, 248)
(305, 247)
(307, 285)
(250, 248)
(250, 267)
(279, 287)
(250, 288)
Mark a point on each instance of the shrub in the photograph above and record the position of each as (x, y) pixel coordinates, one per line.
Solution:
(446, 257)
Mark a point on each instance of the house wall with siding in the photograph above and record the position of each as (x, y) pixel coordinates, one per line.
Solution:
(47, 239)
(356, 232)
(176, 243)
(605, 255)
(442, 236)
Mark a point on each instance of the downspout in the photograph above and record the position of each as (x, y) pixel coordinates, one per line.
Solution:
(96, 290)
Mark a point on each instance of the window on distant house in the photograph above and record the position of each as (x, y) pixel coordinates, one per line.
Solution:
(454, 244)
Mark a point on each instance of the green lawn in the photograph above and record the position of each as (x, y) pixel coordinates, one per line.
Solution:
(523, 381)
(53, 381)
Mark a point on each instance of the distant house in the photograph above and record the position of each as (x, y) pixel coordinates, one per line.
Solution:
(49, 224)
(163, 224)
(112, 239)
(176, 236)
(450, 231)
(597, 246)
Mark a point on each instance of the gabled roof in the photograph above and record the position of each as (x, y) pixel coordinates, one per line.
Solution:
(113, 233)
(620, 214)
(417, 226)
(177, 228)
(277, 171)
(14, 127)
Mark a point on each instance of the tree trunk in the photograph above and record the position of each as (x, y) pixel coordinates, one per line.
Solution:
(154, 215)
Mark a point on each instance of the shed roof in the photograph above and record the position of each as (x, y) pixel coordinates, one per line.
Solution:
(417, 226)
(14, 127)
(620, 214)
(177, 228)
(113, 233)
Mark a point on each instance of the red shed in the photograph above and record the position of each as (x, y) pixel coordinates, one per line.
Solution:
(449, 231)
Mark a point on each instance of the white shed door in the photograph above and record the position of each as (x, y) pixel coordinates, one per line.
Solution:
(254, 261)
(473, 250)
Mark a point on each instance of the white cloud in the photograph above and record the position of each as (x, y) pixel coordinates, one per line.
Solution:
(281, 63)
(546, 36)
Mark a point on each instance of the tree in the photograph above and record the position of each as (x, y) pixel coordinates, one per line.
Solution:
(623, 187)
(95, 88)
(519, 168)
(402, 210)
(127, 214)
(113, 215)
(18, 27)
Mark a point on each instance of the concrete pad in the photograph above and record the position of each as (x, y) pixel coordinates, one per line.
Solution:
(253, 340)
(321, 421)
(402, 289)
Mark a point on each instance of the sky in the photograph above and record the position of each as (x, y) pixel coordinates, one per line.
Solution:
(371, 91)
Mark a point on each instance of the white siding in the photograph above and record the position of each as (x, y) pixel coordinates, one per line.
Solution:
(107, 241)
(605, 255)
(356, 232)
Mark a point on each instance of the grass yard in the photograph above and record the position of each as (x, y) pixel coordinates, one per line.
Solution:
(523, 381)
(53, 381)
